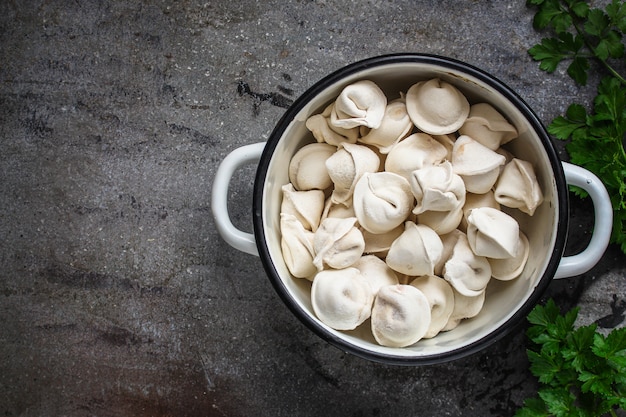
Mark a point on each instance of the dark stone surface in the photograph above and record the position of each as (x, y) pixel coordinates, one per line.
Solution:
(117, 295)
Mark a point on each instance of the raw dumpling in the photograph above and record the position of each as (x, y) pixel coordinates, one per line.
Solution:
(337, 243)
(340, 211)
(416, 251)
(400, 315)
(436, 107)
(414, 152)
(467, 272)
(382, 201)
(437, 188)
(487, 126)
(297, 247)
(379, 243)
(395, 125)
(341, 298)
(518, 188)
(478, 165)
(492, 233)
(307, 206)
(449, 242)
(448, 142)
(376, 272)
(511, 268)
(323, 131)
(473, 201)
(464, 308)
(307, 168)
(442, 222)
(441, 299)
(362, 103)
(346, 166)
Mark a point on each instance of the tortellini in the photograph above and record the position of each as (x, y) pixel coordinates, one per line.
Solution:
(394, 127)
(416, 251)
(307, 168)
(400, 315)
(487, 126)
(478, 165)
(400, 211)
(345, 168)
(436, 107)
(517, 187)
(337, 243)
(382, 201)
(362, 103)
(440, 296)
(341, 299)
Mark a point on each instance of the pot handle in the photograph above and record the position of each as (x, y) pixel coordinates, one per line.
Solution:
(236, 238)
(603, 212)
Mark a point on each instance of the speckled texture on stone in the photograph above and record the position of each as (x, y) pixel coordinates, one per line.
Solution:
(117, 295)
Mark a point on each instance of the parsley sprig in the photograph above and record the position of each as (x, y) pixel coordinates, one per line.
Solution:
(583, 35)
(581, 372)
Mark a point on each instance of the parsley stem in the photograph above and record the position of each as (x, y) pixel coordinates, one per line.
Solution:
(590, 47)
(613, 72)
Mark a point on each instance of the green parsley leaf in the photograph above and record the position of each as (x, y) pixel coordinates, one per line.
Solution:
(551, 51)
(597, 22)
(596, 142)
(533, 407)
(577, 69)
(564, 127)
(552, 14)
(610, 46)
(616, 11)
(585, 375)
(579, 8)
(560, 401)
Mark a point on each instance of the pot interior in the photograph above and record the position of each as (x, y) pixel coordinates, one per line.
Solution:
(506, 302)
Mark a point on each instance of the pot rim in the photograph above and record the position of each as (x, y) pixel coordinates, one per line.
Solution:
(447, 63)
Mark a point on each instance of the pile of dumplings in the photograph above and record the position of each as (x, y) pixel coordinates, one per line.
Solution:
(395, 211)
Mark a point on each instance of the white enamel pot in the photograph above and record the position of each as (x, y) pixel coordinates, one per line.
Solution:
(507, 303)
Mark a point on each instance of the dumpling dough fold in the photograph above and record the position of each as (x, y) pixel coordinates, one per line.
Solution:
(382, 201)
(297, 247)
(337, 243)
(346, 166)
(362, 103)
(492, 233)
(337, 210)
(473, 201)
(379, 243)
(441, 299)
(518, 188)
(487, 126)
(414, 152)
(307, 206)
(467, 272)
(478, 165)
(395, 125)
(464, 308)
(442, 222)
(437, 188)
(511, 268)
(324, 131)
(376, 272)
(416, 251)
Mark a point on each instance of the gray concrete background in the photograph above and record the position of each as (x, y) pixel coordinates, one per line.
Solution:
(117, 295)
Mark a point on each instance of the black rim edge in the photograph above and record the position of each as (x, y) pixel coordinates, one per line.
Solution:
(444, 62)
